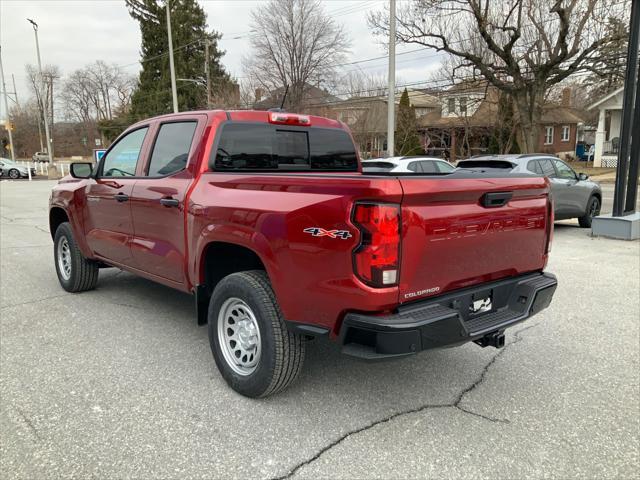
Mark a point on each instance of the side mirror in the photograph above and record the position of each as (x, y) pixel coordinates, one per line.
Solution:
(583, 176)
(81, 170)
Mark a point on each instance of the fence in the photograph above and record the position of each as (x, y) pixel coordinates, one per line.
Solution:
(42, 168)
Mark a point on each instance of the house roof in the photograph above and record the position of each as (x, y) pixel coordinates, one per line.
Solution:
(605, 98)
(312, 95)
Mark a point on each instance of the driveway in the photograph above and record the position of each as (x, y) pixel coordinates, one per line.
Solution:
(120, 383)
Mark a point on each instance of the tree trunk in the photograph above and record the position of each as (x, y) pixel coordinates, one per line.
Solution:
(529, 107)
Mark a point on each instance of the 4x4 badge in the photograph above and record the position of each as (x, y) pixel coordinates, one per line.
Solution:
(321, 232)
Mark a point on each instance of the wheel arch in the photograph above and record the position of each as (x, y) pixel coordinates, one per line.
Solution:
(57, 215)
(217, 260)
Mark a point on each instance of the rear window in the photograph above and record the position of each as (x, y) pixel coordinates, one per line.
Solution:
(503, 164)
(250, 147)
(379, 166)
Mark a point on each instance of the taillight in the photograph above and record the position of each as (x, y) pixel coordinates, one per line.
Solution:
(289, 119)
(377, 259)
(550, 219)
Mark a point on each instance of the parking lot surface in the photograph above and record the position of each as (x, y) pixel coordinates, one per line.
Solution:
(119, 382)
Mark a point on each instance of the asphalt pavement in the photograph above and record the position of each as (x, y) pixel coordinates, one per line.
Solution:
(119, 382)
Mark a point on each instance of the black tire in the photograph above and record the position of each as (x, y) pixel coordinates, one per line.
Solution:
(14, 174)
(83, 274)
(282, 352)
(593, 210)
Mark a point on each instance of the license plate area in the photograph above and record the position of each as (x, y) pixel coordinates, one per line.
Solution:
(481, 302)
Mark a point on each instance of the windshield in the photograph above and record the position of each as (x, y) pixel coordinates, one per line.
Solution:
(7, 161)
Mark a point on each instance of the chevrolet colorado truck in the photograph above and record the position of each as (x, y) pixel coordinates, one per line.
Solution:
(268, 221)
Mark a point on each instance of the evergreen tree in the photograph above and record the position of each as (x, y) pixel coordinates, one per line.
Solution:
(189, 31)
(407, 140)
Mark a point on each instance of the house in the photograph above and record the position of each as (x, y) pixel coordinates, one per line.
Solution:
(315, 100)
(367, 118)
(608, 134)
(468, 119)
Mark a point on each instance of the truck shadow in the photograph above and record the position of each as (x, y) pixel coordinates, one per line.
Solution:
(435, 376)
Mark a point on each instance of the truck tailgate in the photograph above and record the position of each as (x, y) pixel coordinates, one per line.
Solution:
(455, 236)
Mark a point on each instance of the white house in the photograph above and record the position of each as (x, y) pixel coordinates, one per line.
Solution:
(608, 133)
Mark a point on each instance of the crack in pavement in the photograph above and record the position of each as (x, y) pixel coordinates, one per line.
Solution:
(455, 404)
(29, 423)
(35, 301)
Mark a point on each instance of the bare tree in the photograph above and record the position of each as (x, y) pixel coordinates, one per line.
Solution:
(294, 43)
(521, 47)
(97, 92)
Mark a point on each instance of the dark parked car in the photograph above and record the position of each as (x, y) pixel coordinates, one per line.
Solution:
(574, 195)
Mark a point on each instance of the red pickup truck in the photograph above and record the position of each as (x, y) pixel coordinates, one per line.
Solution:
(267, 219)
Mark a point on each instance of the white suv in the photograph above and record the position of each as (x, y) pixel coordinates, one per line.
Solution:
(407, 165)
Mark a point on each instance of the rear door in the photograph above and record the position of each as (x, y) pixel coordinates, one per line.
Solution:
(578, 193)
(158, 198)
(107, 220)
(451, 240)
(559, 189)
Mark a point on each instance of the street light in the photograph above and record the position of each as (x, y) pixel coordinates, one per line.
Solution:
(6, 107)
(45, 102)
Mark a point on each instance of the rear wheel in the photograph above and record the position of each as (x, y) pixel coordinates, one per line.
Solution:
(593, 210)
(75, 273)
(14, 174)
(254, 351)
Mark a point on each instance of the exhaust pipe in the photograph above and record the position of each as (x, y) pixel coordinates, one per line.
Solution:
(495, 340)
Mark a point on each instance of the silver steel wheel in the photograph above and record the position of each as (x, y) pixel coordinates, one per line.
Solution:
(239, 336)
(13, 173)
(64, 258)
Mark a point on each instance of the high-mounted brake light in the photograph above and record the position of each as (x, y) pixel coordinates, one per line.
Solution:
(377, 259)
(289, 119)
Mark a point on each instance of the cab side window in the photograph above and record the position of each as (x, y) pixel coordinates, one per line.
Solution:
(564, 170)
(122, 159)
(171, 148)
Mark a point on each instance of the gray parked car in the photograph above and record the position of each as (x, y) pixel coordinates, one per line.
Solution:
(40, 157)
(14, 170)
(574, 195)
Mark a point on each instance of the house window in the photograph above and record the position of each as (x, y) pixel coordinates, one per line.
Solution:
(463, 105)
(451, 105)
(565, 133)
(548, 135)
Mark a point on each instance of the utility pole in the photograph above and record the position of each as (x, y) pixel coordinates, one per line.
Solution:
(8, 125)
(391, 101)
(15, 90)
(206, 71)
(624, 223)
(172, 69)
(44, 101)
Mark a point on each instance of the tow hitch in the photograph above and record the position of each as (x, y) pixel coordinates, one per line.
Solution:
(495, 339)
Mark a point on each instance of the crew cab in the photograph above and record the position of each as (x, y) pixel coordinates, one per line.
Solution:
(268, 221)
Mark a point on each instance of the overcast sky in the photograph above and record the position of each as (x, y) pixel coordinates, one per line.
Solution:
(75, 33)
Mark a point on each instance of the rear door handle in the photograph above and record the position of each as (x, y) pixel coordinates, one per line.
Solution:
(121, 197)
(169, 202)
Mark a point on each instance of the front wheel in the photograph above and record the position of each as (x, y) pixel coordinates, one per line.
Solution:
(593, 210)
(14, 174)
(254, 351)
(75, 273)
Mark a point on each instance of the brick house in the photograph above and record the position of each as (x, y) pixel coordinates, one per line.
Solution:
(466, 121)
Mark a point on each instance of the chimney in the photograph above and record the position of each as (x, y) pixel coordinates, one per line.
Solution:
(258, 94)
(566, 97)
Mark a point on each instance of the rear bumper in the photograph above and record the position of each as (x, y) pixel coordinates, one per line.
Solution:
(447, 320)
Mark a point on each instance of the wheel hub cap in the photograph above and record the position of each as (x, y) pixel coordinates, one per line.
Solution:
(239, 336)
(64, 258)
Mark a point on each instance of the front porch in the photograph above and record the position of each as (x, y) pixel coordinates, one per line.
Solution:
(608, 133)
